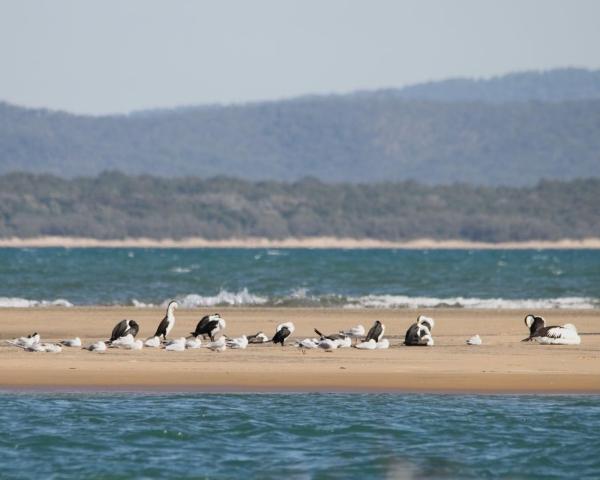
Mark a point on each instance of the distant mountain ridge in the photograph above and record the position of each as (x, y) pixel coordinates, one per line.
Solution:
(510, 130)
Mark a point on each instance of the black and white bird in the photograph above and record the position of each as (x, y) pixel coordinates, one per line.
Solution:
(419, 333)
(167, 323)
(283, 331)
(376, 332)
(553, 335)
(209, 326)
(260, 337)
(123, 328)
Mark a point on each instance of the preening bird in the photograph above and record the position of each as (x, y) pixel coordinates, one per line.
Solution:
(123, 328)
(554, 335)
(283, 331)
(209, 326)
(376, 332)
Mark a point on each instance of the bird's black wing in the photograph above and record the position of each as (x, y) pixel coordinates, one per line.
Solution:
(162, 327)
(201, 324)
(374, 332)
(206, 328)
(281, 335)
(411, 335)
(119, 330)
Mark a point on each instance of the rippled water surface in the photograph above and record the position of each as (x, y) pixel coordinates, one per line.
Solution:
(298, 436)
(351, 278)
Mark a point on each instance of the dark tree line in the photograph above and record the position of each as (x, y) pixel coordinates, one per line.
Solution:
(113, 205)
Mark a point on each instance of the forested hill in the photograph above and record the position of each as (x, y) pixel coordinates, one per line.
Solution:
(512, 130)
(113, 206)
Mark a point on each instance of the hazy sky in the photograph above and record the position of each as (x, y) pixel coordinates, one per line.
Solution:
(117, 55)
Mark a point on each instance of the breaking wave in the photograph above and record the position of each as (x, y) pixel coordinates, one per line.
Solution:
(301, 298)
(16, 302)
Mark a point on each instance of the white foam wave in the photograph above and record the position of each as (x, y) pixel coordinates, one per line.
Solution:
(224, 298)
(401, 301)
(17, 302)
(181, 270)
(136, 303)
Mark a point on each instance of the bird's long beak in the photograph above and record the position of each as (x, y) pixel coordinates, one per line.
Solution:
(528, 339)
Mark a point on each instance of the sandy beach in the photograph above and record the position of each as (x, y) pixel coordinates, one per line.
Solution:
(304, 242)
(502, 365)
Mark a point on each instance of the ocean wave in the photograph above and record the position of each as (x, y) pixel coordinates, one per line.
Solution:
(223, 298)
(401, 301)
(17, 302)
(300, 297)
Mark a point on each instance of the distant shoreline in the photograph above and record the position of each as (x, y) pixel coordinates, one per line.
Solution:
(307, 242)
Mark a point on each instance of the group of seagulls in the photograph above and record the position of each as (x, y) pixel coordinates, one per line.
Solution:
(209, 334)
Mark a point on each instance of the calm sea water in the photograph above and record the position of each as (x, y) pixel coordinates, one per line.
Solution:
(351, 278)
(298, 436)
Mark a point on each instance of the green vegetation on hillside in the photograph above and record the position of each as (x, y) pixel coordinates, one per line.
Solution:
(114, 205)
(367, 137)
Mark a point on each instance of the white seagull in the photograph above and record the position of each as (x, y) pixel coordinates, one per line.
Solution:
(135, 345)
(193, 342)
(99, 346)
(260, 337)
(177, 345)
(355, 332)
(123, 342)
(237, 343)
(367, 345)
(71, 342)
(328, 345)
(152, 342)
(308, 343)
(382, 344)
(26, 342)
(219, 345)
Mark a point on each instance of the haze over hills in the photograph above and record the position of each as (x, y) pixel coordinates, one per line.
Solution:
(510, 130)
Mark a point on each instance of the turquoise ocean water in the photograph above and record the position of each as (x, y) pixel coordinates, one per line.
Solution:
(287, 277)
(304, 436)
(298, 436)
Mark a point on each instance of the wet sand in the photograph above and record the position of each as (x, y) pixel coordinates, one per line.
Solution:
(503, 364)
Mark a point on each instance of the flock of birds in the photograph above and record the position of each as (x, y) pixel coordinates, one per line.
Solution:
(210, 331)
